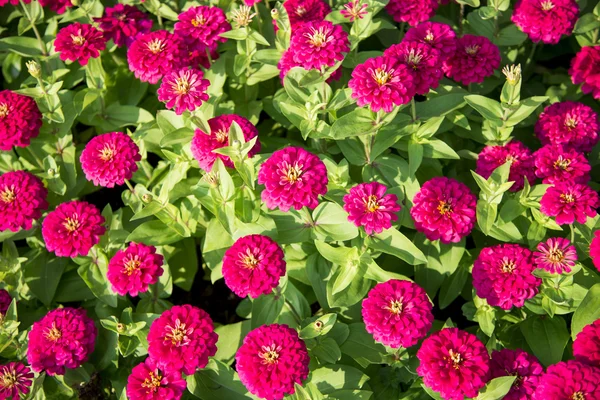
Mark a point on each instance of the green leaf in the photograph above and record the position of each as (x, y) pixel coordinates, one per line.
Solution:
(526, 107)
(337, 377)
(486, 215)
(217, 382)
(266, 309)
(42, 274)
(355, 123)
(22, 45)
(327, 351)
(361, 346)
(472, 3)
(154, 233)
(586, 23)
(587, 312)
(331, 223)
(178, 136)
(547, 337)
(497, 388)
(453, 286)
(393, 242)
(94, 275)
(318, 326)
(488, 108)
(440, 105)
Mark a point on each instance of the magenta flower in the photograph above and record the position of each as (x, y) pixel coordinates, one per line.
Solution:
(203, 143)
(354, 10)
(5, 301)
(14, 3)
(397, 313)
(123, 23)
(424, 62)
(132, 270)
(546, 20)
(63, 338)
(15, 380)
(569, 124)
(586, 347)
(556, 255)
(368, 205)
(182, 339)
(293, 178)
(155, 54)
(412, 11)
(585, 70)
(569, 380)
(522, 167)
(303, 11)
(22, 200)
(59, 6)
(439, 36)
(521, 364)
(20, 120)
(454, 363)
(318, 44)
(253, 266)
(198, 55)
(570, 202)
(475, 59)
(183, 90)
(149, 382)
(595, 250)
(73, 228)
(271, 360)
(502, 275)
(79, 42)
(444, 209)
(110, 159)
(555, 164)
(201, 26)
(382, 83)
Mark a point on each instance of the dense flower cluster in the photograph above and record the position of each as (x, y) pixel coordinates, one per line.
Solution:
(595, 250)
(570, 202)
(202, 26)
(412, 11)
(586, 347)
(475, 58)
(368, 205)
(59, 6)
(303, 11)
(132, 270)
(150, 382)
(183, 90)
(20, 120)
(5, 301)
(423, 60)
(585, 70)
(546, 20)
(522, 163)
(79, 42)
(15, 380)
(123, 23)
(556, 255)
(439, 36)
(521, 364)
(555, 164)
(153, 55)
(569, 380)
(569, 124)
(22, 200)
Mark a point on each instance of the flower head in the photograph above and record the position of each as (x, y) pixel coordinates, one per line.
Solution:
(59, 6)
(5, 301)
(183, 90)
(73, 228)
(132, 270)
(22, 200)
(555, 164)
(412, 11)
(569, 380)
(570, 202)
(595, 250)
(63, 338)
(546, 20)
(79, 42)
(475, 59)
(439, 36)
(182, 338)
(202, 25)
(318, 44)
(15, 380)
(521, 364)
(149, 382)
(556, 255)
(569, 124)
(585, 70)
(454, 363)
(368, 205)
(293, 178)
(153, 55)
(586, 347)
(424, 62)
(521, 167)
(271, 360)
(355, 9)
(20, 120)
(512, 73)
(242, 16)
(303, 11)
(122, 23)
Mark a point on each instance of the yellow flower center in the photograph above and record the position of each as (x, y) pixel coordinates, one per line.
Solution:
(8, 379)
(292, 173)
(567, 198)
(547, 5)
(318, 38)
(152, 383)
(249, 260)
(199, 21)
(456, 359)
(429, 37)
(414, 58)
(3, 110)
(578, 396)
(562, 163)
(382, 76)
(570, 122)
(556, 256)
(508, 265)
(270, 354)
(472, 50)
(106, 154)
(182, 86)
(132, 265)
(300, 11)
(395, 306)
(444, 207)
(178, 334)
(8, 195)
(221, 136)
(53, 334)
(78, 40)
(372, 203)
(72, 223)
(155, 46)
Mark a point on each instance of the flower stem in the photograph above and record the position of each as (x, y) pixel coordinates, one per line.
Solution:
(413, 109)
(133, 190)
(210, 60)
(297, 316)
(530, 57)
(572, 234)
(461, 16)
(35, 30)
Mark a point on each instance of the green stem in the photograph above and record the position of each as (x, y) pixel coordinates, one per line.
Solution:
(267, 4)
(133, 190)
(572, 234)
(530, 57)
(461, 16)
(297, 316)
(257, 12)
(413, 109)
(210, 60)
(35, 30)
(160, 22)
(309, 219)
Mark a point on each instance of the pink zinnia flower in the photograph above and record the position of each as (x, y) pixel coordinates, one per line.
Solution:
(149, 382)
(123, 23)
(79, 42)
(397, 313)
(303, 11)
(546, 20)
(412, 11)
(73, 228)
(585, 69)
(20, 120)
(522, 167)
(63, 338)
(382, 83)
(502, 275)
(570, 202)
(569, 380)
(368, 205)
(475, 59)
(454, 363)
(155, 54)
(586, 347)
(22, 200)
(570, 124)
(424, 62)
(203, 143)
(5, 301)
(439, 36)
(444, 209)
(14, 3)
(253, 266)
(250, 3)
(556, 255)
(183, 90)
(132, 270)
(271, 360)
(110, 159)
(555, 164)
(318, 44)
(15, 380)
(521, 364)
(293, 178)
(59, 6)
(182, 338)
(202, 26)
(595, 250)
(355, 9)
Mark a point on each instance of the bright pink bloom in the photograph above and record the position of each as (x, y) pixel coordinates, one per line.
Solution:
(444, 209)
(521, 364)
(595, 250)
(555, 164)
(318, 44)
(13, 3)
(556, 255)
(132, 270)
(63, 338)
(354, 10)
(454, 363)
(397, 313)
(424, 62)
(149, 382)
(15, 380)
(198, 55)
(253, 266)
(20, 120)
(183, 90)
(569, 124)
(73, 228)
(569, 380)
(570, 202)
(303, 11)
(250, 3)
(522, 167)
(79, 42)
(439, 36)
(502, 275)
(271, 360)
(155, 54)
(182, 338)
(5, 301)
(546, 20)
(203, 143)
(382, 83)
(412, 11)
(475, 59)
(59, 6)
(123, 23)
(22, 200)
(586, 347)
(585, 69)
(293, 178)
(368, 205)
(109, 159)
(202, 25)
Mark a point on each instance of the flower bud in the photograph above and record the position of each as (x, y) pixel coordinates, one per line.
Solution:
(513, 74)
(34, 69)
(147, 198)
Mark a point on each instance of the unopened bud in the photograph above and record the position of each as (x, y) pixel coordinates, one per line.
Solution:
(513, 74)
(120, 328)
(34, 68)
(147, 198)
(274, 14)
(51, 172)
(75, 2)
(236, 144)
